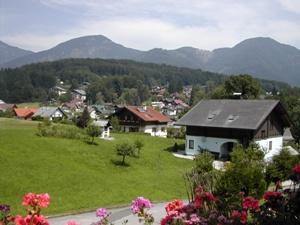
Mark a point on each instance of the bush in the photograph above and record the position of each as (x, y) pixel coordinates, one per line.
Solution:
(202, 174)
(244, 174)
(173, 132)
(48, 129)
(115, 124)
(281, 166)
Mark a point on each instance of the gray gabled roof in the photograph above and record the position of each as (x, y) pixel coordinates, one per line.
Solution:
(47, 112)
(237, 114)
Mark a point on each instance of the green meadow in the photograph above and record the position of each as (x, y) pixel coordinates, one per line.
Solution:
(79, 176)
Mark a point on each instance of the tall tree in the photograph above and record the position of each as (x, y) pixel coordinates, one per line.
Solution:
(244, 84)
(84, 119)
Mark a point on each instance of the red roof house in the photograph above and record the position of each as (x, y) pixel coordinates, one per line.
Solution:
(25, 113)
(143, 119)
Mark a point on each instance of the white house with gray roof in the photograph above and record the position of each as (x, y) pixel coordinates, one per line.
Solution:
(50, 113)
(216, 125)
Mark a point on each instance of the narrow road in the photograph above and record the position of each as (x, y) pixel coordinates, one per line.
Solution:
(117, 217)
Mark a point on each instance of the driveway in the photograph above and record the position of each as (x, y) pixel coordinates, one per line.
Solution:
(117, 217)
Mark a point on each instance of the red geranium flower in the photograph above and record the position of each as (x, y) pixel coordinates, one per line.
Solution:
(271, 195)
(250, 203)
(296, 169)
(174, 207)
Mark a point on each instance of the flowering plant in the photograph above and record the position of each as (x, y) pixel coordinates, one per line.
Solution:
(5, 217)
(34, 216)
(140, 206)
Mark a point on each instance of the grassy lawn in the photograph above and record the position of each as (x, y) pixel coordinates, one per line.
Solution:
(79, 176)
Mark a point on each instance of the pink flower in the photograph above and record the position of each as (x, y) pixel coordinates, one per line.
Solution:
(272, 195)
(296, 169)
(102, 213)
(139, 204)
(72, 222)
(41, 200)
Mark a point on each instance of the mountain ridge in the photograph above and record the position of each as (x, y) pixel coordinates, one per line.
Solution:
(262, 57)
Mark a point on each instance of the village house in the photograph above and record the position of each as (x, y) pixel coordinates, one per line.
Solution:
(51, 113)
(59, 90)
(216, 125)
(24, 113)
(7, 107)
(105, 110)
(79, 94)
(104, 126)
(143, 119)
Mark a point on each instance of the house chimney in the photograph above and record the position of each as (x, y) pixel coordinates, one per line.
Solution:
(145, 107)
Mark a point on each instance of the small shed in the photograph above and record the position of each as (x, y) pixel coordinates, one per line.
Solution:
(105, 127)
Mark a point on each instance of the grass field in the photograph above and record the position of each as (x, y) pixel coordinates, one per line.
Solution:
(79, 176)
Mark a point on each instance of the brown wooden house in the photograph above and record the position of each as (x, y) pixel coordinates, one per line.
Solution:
(215, 125)
(142, 119)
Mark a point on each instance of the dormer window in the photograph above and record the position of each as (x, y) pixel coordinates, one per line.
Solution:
(211, 116)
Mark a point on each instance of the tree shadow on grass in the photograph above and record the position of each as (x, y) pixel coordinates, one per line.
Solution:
(175, 148)
(91, 143)
(119, 163)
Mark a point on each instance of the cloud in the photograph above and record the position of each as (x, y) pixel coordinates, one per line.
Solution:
(142, 24)
(291, 5)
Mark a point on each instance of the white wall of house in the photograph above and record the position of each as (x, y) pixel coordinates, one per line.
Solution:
(210, 143)
(156, 130)
(57, 114)
(153, 130)
(271, 146)
(93, 114)
(105, 132)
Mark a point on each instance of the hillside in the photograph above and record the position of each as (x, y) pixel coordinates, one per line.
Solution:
(264, 58)
(9, 53)
(81, 176)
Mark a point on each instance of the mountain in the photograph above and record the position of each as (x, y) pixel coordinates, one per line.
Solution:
(8, 53)
(83, 47)
(262, 57)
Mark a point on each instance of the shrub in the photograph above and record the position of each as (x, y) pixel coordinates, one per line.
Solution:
(202, 174)
(48, 129)
(244, 174)
(115, 124)
(138, 144)
(280, 167)
(173, 132)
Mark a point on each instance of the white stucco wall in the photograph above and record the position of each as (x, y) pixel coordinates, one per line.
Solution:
(210, 143)
(215, 145)
(148, 129)
(276, 146)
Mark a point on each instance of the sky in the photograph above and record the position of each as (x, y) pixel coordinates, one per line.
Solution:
(145, 24)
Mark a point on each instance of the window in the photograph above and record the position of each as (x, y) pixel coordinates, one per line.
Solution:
(163, 129)
(191, 144)
(270, 145)
(154, 130)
